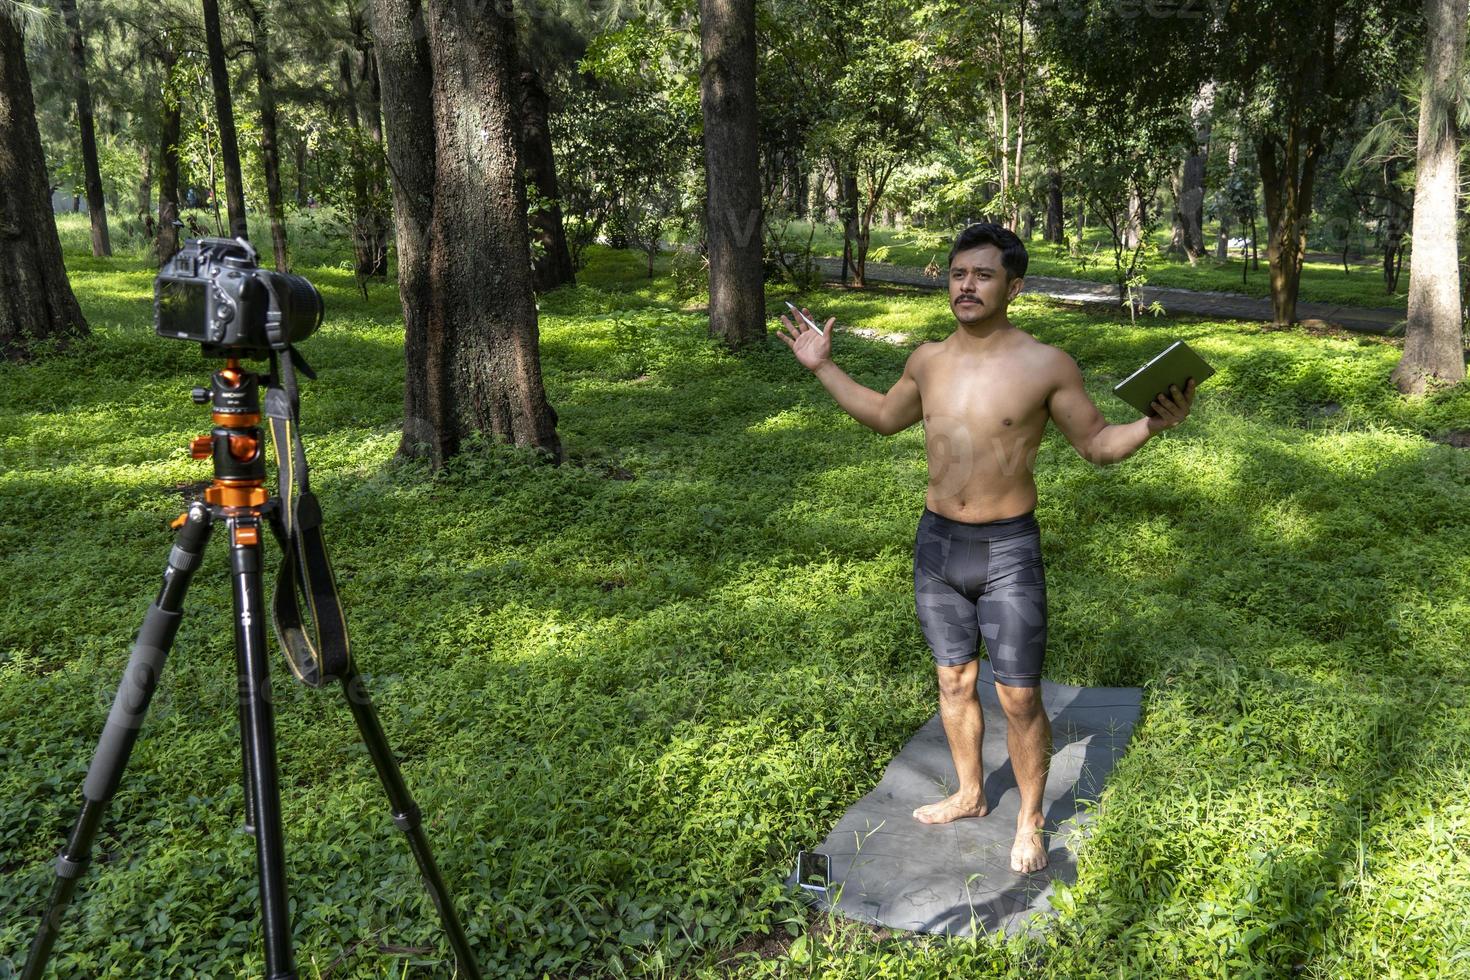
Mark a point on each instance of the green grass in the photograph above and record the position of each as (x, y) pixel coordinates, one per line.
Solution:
(316, 236)
(1322, 281)
(624, 704)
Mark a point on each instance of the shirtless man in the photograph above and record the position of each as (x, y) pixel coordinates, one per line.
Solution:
(985, 394)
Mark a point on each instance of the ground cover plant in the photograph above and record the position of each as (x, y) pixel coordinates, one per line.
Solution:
(626, 690)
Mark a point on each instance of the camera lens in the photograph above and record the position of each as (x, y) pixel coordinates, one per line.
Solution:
(301, 305)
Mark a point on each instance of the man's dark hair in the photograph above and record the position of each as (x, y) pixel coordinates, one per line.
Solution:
(1012, 252)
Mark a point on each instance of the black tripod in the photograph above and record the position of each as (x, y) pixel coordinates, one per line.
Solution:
(239, 498)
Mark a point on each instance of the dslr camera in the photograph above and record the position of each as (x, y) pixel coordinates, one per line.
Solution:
(215, 293)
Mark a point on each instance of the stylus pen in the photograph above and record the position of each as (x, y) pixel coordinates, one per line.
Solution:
(802, 316)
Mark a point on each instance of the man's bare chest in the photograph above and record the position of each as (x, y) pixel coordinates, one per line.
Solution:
(996, 399)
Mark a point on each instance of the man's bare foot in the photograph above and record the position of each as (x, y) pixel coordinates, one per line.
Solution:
(1028, 854)
(954, 808)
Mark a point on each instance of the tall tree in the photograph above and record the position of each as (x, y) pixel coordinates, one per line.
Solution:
(1299, 70)
(733, 215)
(854, 251)
(1189, 182)
(471, 337)
(1054, 212)
(361, 89)
(1375, 186)
(36, 301)
(229, 145)
(880, 99)
(96, 203)
(1120, 136)
(1434, 345)
(553, 263)
(270, 155)
(623, 147)
(171, 109)
(1008, 80)
(408, 117)
(549, 45)
(1223, 206)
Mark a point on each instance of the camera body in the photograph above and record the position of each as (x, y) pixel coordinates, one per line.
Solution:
(214, 293)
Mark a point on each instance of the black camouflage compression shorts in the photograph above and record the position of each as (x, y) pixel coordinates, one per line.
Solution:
(974, 580)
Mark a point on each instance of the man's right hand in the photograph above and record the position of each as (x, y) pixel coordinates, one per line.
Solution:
(812, 348)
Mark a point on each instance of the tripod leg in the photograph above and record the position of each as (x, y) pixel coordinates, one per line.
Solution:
(258, 744)
(242, 708)
(145, 664)
(406, 816)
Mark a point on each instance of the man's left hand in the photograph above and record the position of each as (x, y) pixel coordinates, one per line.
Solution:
(1171, 407)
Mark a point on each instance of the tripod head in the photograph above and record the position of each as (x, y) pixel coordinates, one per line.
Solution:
(235, 443)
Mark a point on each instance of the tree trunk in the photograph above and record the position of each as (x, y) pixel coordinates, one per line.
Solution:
(1284, 246)
(553, 267)
(301, 170)
(1288, 169)
(1022, 73)
(37, 306)
(1255, 252)
(1191, 202)
(1133, 228)
(1189, 197)
(737, 311)
(1054, 213)
(364, 258)
(224, 108)
(377, 182)
(269, 140)
(471, 339)
(373, 104)
(168, 163)
(1434, 344)
(1177, 233)
(1222, 244)
(145, 183)
(791, 183)
(1395, 216)
(877, 177)
(96, 205)
(848, 185)
(429, 430)
(369, 227)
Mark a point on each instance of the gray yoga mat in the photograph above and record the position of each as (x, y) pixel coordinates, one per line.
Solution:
(888, 869)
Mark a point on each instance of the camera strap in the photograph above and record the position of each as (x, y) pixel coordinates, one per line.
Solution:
(315, 644)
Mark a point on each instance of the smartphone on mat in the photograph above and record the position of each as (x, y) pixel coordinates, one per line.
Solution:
(802, 316)
(812, 870)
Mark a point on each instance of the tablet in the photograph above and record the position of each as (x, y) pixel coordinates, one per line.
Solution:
(1176, 365)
